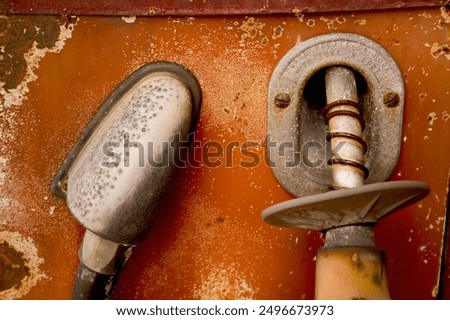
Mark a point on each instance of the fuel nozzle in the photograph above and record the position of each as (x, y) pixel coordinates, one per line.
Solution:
(118, 170)
(349, 265)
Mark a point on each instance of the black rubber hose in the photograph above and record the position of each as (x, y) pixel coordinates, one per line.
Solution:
(91, 285)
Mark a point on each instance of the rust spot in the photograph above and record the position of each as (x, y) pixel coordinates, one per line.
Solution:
(311, 23)
(13, 69)
(154, 11)
(12, 267)
(19, 265)
(445, 13)
(251, 27)
(48, 30)
(252, 33)
(17, 36)
(438, 50)
(277, 32)
(264, 41)
(376, 278)
(432, 117)
(356, 262)
(3, 25)
(70, 20)
(220, 219)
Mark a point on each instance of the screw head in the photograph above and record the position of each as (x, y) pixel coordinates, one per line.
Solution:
(282, 100)
(64, 184)
(391, 99)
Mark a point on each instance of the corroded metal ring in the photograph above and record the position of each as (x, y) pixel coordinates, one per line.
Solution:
(346, 113)
(347, 162)
(338, 103)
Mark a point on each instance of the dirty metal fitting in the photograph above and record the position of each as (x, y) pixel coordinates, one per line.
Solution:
(293, 91)
(348, 236)
(343, 115)
(351, 272)
(349, 265)
(115, 175)
(100, 263)
(103, 256)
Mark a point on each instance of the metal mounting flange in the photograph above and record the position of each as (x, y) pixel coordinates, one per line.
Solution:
(298, 148)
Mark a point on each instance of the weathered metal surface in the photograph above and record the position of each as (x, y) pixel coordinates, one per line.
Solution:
(211, 241)
(351, 236)
(120, 167)
(298, 148)
(361, 205)
(200, 7)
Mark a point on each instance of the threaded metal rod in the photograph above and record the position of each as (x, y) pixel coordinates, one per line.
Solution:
(343, 115)
(345, 123)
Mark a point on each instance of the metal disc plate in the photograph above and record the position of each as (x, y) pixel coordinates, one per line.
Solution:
(365, 204)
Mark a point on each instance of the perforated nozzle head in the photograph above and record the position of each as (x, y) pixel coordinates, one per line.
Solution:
(122, 164)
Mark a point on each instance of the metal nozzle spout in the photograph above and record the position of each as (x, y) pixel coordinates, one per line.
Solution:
(116, 173)
(91, 285)
(100, 263)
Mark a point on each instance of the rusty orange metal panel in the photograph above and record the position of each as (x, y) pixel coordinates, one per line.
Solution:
(209, 240)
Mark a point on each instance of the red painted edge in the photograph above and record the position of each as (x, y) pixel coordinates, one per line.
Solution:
(200, 7)
(444, 281)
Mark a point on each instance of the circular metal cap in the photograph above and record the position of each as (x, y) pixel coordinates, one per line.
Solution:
(366, 204)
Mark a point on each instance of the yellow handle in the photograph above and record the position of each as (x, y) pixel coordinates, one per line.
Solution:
(350, 273)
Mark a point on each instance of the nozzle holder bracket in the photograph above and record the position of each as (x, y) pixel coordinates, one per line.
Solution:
(297, 131)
